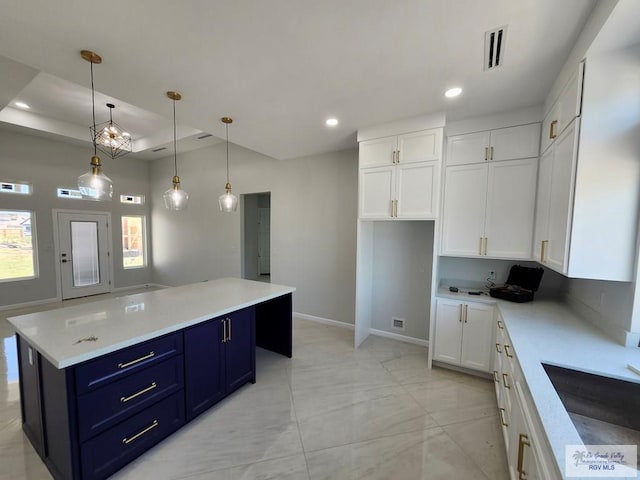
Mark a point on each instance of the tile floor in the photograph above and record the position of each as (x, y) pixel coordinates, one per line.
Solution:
(330, 412)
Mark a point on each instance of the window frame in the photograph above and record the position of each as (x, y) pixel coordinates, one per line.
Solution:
(34, 247)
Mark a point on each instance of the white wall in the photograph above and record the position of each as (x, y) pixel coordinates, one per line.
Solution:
(49, 164)
(401, 276)
(313, 224)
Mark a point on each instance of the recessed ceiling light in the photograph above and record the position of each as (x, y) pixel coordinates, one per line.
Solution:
(332, 122)
(22, 105)
(453, 92)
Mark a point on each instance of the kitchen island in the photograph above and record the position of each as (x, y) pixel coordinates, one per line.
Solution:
(100, 383)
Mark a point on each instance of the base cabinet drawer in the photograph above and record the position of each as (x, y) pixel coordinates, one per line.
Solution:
(111, 450)
(105, 407)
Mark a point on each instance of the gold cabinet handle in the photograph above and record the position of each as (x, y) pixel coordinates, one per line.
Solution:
(486, 241)
(144, 390)
(126, 440)
(543, 250)
(552, 129)
(522, 441)
(507, 350)
(504, 380)
(466, 312)
(491, 153)
(228, 329)
(137, 360)
(500, 325)
(395, 208)
(495, 376)
(460, 316)
(486, 153)
(480, 250)
(498, 348)
(393, 157)
(398, 156)
(502, 420)
(224, 330)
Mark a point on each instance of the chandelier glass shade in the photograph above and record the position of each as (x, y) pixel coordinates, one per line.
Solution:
(175, 198)
(110, 138)
(94, 185)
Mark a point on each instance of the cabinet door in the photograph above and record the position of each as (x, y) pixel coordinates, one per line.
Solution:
(561, 198)
(377, 189)
(378, 152)
(465, 198)
(448, 336)
(512, 143)
(240, 349)
(204, 363)
(541, 228)
(29, 369)
(422, 146)
(511, 196)
(417, 191)
(477, 336)
(468, 148)
(569, 103)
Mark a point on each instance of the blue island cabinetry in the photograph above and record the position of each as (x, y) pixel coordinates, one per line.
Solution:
(88, 420)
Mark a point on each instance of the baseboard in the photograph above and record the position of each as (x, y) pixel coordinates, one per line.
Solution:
(17, 306)
(326, 321)
(401, 338)
(138, 287)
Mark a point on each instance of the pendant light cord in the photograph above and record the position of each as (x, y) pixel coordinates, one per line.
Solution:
(175, 151)
(226, 125)
(93, 111)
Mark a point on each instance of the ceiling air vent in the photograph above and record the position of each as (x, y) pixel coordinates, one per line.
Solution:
(494, 46)
(159, 149)
(206, 135)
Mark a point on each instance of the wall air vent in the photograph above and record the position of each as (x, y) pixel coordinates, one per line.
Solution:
(159, 149)
(494, 47)
(206, 135)
(397, 323)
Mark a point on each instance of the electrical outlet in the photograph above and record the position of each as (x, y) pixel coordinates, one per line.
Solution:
(492, 276)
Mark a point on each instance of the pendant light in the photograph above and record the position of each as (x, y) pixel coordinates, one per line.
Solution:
(111, 138)
(228, 201)
(94, 185)
(175, 198)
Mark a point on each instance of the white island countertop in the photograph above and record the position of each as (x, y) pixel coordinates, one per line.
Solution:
(546, 331)
(71, 335)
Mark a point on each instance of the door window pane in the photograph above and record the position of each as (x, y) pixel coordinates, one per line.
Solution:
(84, 251)
(133, 242)
(17, 245)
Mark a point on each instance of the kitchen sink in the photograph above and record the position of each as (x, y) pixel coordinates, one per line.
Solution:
(605, 411)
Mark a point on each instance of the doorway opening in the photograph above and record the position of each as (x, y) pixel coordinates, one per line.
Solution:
(82, 246)
(256, 238)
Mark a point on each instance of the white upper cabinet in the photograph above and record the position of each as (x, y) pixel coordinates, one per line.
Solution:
(509, 143)
(589, 183)
(489, 206)
(400, 176)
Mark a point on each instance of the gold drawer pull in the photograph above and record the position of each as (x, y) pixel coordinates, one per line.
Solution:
(504, 380)
(126, 440)
(507, 350)
(498, 348)
(552, 129)
(504, 423)
(137, 360)
(486, 153)
(500, 325)
(522, 441)
(145, 390)
(495, 376)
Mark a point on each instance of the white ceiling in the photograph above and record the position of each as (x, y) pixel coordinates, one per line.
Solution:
(278, 67)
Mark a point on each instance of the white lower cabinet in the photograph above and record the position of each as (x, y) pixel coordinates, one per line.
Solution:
(525, 450)
(464, 334)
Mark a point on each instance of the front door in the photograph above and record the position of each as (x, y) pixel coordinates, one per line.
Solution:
(83, 243)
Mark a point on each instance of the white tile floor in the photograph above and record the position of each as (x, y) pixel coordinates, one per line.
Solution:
(330, 412)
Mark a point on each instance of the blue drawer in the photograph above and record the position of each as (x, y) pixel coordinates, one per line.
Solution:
(111, 450)
(101, 409)
(111, 367)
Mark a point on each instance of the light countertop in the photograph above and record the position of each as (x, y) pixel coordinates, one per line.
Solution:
(547, 331)
(65, 336)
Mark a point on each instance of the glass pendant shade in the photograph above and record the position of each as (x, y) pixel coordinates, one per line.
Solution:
(175, 198)
(228, 201)
(95, 185)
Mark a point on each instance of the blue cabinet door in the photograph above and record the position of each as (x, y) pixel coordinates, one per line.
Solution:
(204, 366)
(240, 348)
